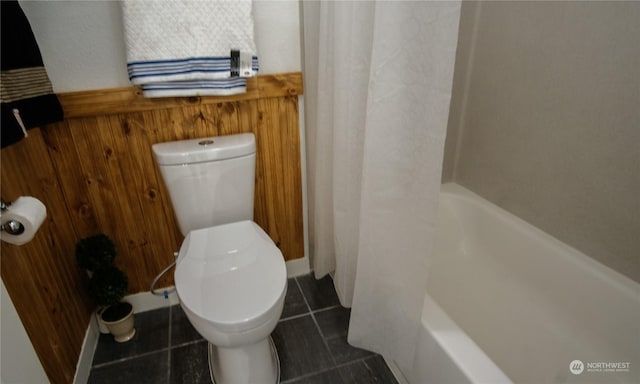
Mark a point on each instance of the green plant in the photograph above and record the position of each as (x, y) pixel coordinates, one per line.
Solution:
(95, 252)
(107, 286)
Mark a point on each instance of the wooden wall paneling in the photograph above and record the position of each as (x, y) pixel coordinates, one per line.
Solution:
(95, 173)
(279, 85)
(292, 174)
(124, 179)
(64, 156)
(164, 124)
(283, 199)
(104, 176)
(227, 119)
(154, 123)
(248, 117)
(41, 276)
(185, 123)
(269, 167)
(159, 241)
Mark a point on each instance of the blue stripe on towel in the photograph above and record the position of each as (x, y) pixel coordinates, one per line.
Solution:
(217, 63)
(133, 76)
(204, 65)
(182, 66)
(197, 84)
(146, 67)
(145, 88)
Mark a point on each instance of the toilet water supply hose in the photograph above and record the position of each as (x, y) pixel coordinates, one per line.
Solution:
(165, 292)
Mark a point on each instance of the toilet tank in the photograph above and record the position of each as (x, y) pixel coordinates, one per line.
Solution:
(210, 180)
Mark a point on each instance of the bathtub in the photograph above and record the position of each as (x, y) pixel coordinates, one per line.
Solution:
(507, 303)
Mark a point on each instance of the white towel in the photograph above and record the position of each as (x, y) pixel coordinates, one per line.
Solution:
(183, 41)
(221, 87)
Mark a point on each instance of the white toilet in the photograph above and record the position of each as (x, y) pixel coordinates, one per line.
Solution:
(230, 277)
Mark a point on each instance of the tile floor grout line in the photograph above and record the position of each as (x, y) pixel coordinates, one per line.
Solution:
(307, 375)
(294, 317)
(336, 367)
(328, 308)
(122, 360)
(324, 341)
(304, 298)
(360, 359)
(187, 343)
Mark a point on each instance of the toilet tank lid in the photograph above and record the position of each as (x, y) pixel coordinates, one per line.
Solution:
(204, 149)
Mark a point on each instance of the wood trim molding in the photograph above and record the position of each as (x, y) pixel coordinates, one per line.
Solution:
(130, 99)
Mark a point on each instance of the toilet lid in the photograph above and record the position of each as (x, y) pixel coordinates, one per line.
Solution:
(230, 275)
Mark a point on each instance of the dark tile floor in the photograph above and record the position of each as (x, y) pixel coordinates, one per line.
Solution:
(311, 339)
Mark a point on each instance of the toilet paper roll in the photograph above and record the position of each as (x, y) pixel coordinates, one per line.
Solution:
(28, 211)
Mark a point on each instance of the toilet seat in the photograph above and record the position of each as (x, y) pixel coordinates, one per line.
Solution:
(231, 275)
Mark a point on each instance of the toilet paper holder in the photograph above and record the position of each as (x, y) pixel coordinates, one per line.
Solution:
(12, 227)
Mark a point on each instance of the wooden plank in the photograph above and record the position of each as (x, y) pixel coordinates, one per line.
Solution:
(280, 169)
(63, 154)
(130, 99)
(156, 241)
(41, 276)
(122, 179)
(291, 176)
(280, 85)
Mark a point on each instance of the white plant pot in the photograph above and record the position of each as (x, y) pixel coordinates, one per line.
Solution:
(101, 325)
(122, 329)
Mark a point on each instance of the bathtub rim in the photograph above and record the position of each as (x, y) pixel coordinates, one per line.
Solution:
(571, 255)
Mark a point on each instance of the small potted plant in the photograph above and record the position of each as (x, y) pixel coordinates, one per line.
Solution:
(107, 286)
(95, 252)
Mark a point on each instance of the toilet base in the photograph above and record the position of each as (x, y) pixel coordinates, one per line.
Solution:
(256, 363)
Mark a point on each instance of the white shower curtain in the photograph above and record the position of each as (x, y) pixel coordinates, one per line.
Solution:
(378, 81)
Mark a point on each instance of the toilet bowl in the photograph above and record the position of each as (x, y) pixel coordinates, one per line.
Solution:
(231, 281)
(230, 277)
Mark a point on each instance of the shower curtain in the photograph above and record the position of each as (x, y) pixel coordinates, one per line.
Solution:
(378, 79)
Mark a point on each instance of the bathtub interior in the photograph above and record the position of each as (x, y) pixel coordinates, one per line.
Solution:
(530, 302)
(447, 355)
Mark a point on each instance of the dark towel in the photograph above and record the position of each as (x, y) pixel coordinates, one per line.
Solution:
(24, 83)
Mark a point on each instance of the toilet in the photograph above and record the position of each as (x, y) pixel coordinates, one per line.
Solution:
(230, 277)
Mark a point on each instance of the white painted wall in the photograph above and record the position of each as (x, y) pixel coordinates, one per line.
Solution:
(18, 361)
(82, 42)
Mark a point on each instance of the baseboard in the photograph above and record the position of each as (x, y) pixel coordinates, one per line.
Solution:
(83, 368)
(298, 267)
(146, 301)
(142, 302)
